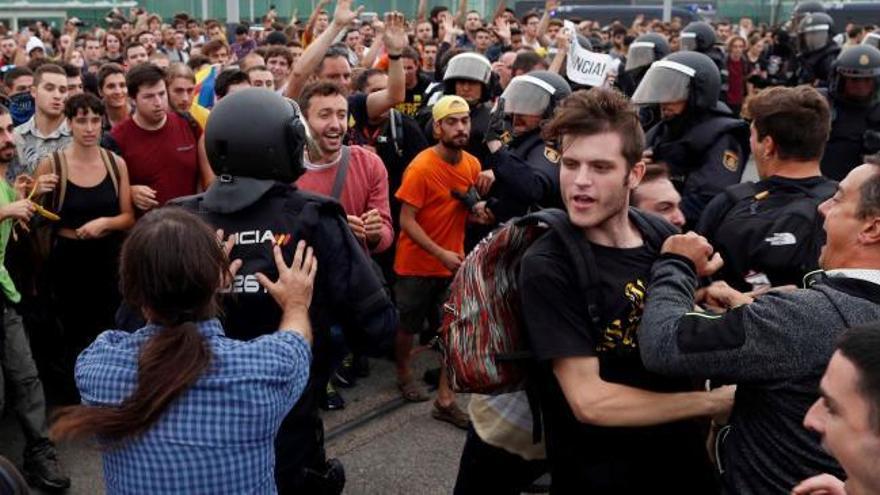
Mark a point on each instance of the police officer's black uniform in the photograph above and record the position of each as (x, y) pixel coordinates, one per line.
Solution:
(706, 148)
(855, 122)
(526, 169)
(817, 49)
(254, 141)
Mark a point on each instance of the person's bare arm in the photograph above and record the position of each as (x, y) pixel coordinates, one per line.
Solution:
(376, 47)
(597, 402)
(206, 174)
(549, 6)
(562, 46)
(314, 53)
(461, 15)
(415, 232)
(422, 13)
(499, 9)
(395, 40)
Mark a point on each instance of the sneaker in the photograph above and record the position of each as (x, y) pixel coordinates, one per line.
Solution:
(42, 467)
(333, 401)
(345, 375)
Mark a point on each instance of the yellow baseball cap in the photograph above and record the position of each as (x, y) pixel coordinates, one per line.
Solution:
(449, 105)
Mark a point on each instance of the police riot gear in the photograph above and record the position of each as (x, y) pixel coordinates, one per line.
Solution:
(872, 39)
(817, 49)
(526, 171)
(274, 213)
(854, 92)
(681, 76)
(469, 67)
(645, 50)
(699, 36)
(705, 147)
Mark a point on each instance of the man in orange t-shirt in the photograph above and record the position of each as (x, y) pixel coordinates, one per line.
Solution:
(431, 244)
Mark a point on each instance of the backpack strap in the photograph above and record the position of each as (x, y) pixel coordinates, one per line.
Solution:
(654, 228)
(341, 172)
(396, 128)
(59, 167)
(112, 168)
(580, 254)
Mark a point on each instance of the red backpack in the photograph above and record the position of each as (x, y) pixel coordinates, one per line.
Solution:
(483, 338)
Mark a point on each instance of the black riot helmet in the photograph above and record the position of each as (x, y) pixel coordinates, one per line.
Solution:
(690, 76)
(861, 64)
(697, 36)
(468, 66)
(815, 32)
(535, 93)
(804, 8)
(258, 134)
(645, 50)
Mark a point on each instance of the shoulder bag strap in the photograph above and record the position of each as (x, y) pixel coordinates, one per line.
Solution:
(112, 168)
(341, 172)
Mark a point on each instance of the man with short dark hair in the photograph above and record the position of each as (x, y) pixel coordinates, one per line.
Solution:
(93, 51)
(18, 80)
(47, 131)
(611, 425)
(244, 44)
(114, 94)
(279, 60)
(74, 79)
(229, 81)
(159, 147)
(768, 232)
(773, 348)
(148, 40)
(416, 83)
(135, 53)
(656, 194)
(17, 368)
(261, 77)
(846, 415)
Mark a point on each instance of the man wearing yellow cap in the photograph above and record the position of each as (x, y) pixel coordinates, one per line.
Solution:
(431, 245)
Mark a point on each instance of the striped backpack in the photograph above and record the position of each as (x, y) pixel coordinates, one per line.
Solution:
(483, 338)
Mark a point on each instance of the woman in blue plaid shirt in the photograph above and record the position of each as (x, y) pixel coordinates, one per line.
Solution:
(177, 406)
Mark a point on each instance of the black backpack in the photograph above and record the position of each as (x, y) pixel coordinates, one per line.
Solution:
(775, 231)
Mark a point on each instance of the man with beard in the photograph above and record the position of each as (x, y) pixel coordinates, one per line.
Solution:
(703, 144)
(16, 364)
(431, 244)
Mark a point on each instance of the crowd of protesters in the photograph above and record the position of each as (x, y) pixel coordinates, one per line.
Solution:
(692, 364)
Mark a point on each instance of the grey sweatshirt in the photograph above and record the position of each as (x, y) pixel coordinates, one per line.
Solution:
(775, 349)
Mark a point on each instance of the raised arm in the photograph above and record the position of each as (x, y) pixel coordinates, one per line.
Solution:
(314, 53)
(395, 40)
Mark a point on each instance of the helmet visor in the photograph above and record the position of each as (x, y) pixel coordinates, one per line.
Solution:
(641, 53)
(814, 39)
(665, 82)
(527, 95)
(688, 42)
(468, 66)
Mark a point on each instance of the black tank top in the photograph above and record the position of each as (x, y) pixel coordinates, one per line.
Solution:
(84, 204)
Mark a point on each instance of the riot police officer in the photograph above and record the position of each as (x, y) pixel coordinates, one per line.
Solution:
(525, 169)
(853, 92)
(816, 49)
(872, 39)
(698, 36)
(255, 140)
(702, 143)
(469, 75)
(645, 50)
(801, 10)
